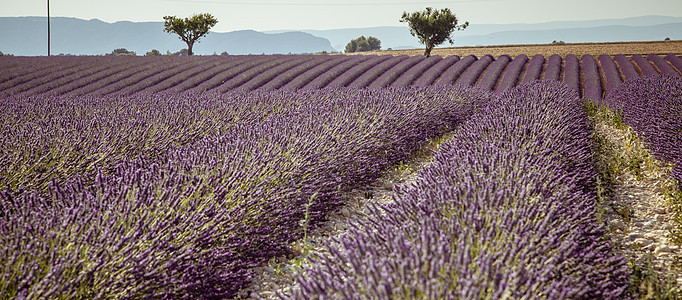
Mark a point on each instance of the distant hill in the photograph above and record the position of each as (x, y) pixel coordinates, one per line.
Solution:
(645, 28)
(28, 36)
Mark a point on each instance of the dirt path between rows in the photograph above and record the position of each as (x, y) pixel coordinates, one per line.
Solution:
(635, 211)
(279, 274)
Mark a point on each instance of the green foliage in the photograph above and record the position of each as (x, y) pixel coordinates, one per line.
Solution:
(190, 29)
(3, 54)
(363, 44)
(432, 27)
(224, 53)
(154, 52)
(645, 282)
(121, 52)
(182, 52)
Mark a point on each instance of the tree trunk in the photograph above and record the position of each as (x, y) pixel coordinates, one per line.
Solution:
(427, 53)
(189, 49)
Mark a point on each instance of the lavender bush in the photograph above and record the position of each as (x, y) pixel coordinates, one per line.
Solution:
(356, 71)
(216, 71)
(572, 73)
(506, 210)
(610, 72)
(592, 80)
(451, 75)
(652, 106)
(534, 68)
(332, 74)
(234, 69)
(492, 75)
(376, 72)
(471, 75)
(511, 75)
(273, 73)
(180, 195)
(662, 65)
(44, 78)
(392, 74)
(258, 71)
(314, 72)
(626, 67)
(149, 77)
(181, 77)
(675, 61)
(553, 69)
(644, 65)
(434, 73)
(410, 76)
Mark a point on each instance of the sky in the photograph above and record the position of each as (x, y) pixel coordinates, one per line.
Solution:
(264, 15)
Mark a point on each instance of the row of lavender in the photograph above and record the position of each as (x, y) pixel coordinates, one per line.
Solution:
(652, 106)
(180, 195)
(126, 75)
(506, 210)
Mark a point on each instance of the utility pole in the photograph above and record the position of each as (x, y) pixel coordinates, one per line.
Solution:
(48, 27)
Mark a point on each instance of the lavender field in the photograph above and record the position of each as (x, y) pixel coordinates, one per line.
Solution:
(75, 76)
(175, 177)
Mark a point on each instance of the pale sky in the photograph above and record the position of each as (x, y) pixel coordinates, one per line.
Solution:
(262, 15)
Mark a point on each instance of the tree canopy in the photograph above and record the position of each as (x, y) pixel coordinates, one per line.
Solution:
(432, 27)
(362, 44)
(154, 52)
(121, 51)
(189, 29)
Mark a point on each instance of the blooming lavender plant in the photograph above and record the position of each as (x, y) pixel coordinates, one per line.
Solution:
(152, 78)
(626, 67)
(309, 75)
(180, 195)
(553, 69)
(471, 75)
(215, 74)
(610, 72)
(413, 74)
(373, 74)
(332, 74)
(450, 76)
(278, 73)
(572, 73)
(662, 65)
(511, 75)
(592, 79)
(674, 60)
(652, 106)
(506, 210)
(388, 77)
(152, 67)
(43, 78)
(258, 73)
(492, 75)
(644, 65)
(534, 68)
(432, 74)
(356, 71)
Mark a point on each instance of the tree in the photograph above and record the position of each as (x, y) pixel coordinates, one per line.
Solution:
(189, 29)
(154, 52)
(432, 27)
(362, 44)
(121, 51)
